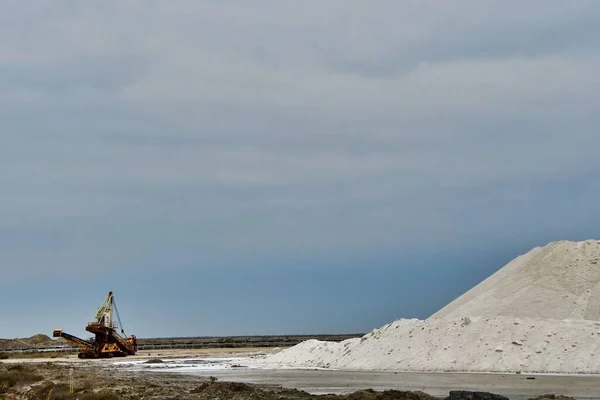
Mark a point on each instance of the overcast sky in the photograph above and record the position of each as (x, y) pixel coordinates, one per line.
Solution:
(255, 167)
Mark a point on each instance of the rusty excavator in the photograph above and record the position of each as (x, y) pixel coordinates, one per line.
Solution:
(107, 341)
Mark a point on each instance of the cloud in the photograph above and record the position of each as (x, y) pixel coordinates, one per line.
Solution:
(209, 133)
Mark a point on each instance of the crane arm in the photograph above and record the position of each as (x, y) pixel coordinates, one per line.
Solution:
(105, 312)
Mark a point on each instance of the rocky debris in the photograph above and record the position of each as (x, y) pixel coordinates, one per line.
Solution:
(465, 395)
(240, 391)
(552, 397)
(154, 361)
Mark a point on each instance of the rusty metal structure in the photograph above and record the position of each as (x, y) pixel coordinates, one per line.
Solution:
(107, 341)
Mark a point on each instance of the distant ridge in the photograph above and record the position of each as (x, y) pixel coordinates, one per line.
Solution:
(38, 340)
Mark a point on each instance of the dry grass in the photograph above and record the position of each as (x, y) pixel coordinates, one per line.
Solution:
(18, 375)
(41, 354)
(51, 391)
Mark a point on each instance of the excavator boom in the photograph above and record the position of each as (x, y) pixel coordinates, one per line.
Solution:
(84, 345)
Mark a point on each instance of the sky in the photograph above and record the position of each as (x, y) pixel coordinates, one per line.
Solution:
(280, 167)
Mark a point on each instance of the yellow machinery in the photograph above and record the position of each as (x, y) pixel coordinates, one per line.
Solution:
(107, 341)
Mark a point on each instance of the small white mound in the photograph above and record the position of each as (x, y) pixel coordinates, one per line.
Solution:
(558, 281)
(478, 344)
(311, 353)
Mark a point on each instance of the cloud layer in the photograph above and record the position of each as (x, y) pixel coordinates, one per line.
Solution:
(198, 134)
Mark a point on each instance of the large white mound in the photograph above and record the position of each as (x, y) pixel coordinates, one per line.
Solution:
(539, 313)
(558, 281)
(479, 344)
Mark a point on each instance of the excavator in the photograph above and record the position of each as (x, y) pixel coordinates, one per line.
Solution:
(107, 341)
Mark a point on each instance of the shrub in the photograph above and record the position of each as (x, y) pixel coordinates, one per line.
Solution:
(14, 377)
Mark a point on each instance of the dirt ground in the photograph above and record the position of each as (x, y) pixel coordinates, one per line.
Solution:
(50, 379)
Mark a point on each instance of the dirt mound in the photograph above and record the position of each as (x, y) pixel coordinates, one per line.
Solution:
(553, 397)
(464, 395)
(38, 340)
(386, 395)
(241, 391)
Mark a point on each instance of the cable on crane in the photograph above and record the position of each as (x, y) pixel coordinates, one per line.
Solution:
(118, 316)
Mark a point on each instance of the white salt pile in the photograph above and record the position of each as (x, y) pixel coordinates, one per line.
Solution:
(558, 281)
(537, 314)
(500, 344)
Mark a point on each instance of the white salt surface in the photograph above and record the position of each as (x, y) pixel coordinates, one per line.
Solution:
(540, 313)
(478, 344)
(182, 365)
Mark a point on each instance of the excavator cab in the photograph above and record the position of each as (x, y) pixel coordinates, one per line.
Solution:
(106, 320)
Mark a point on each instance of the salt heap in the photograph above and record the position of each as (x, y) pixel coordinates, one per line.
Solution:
(540, 313)
(500, 344)
(558, 281)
